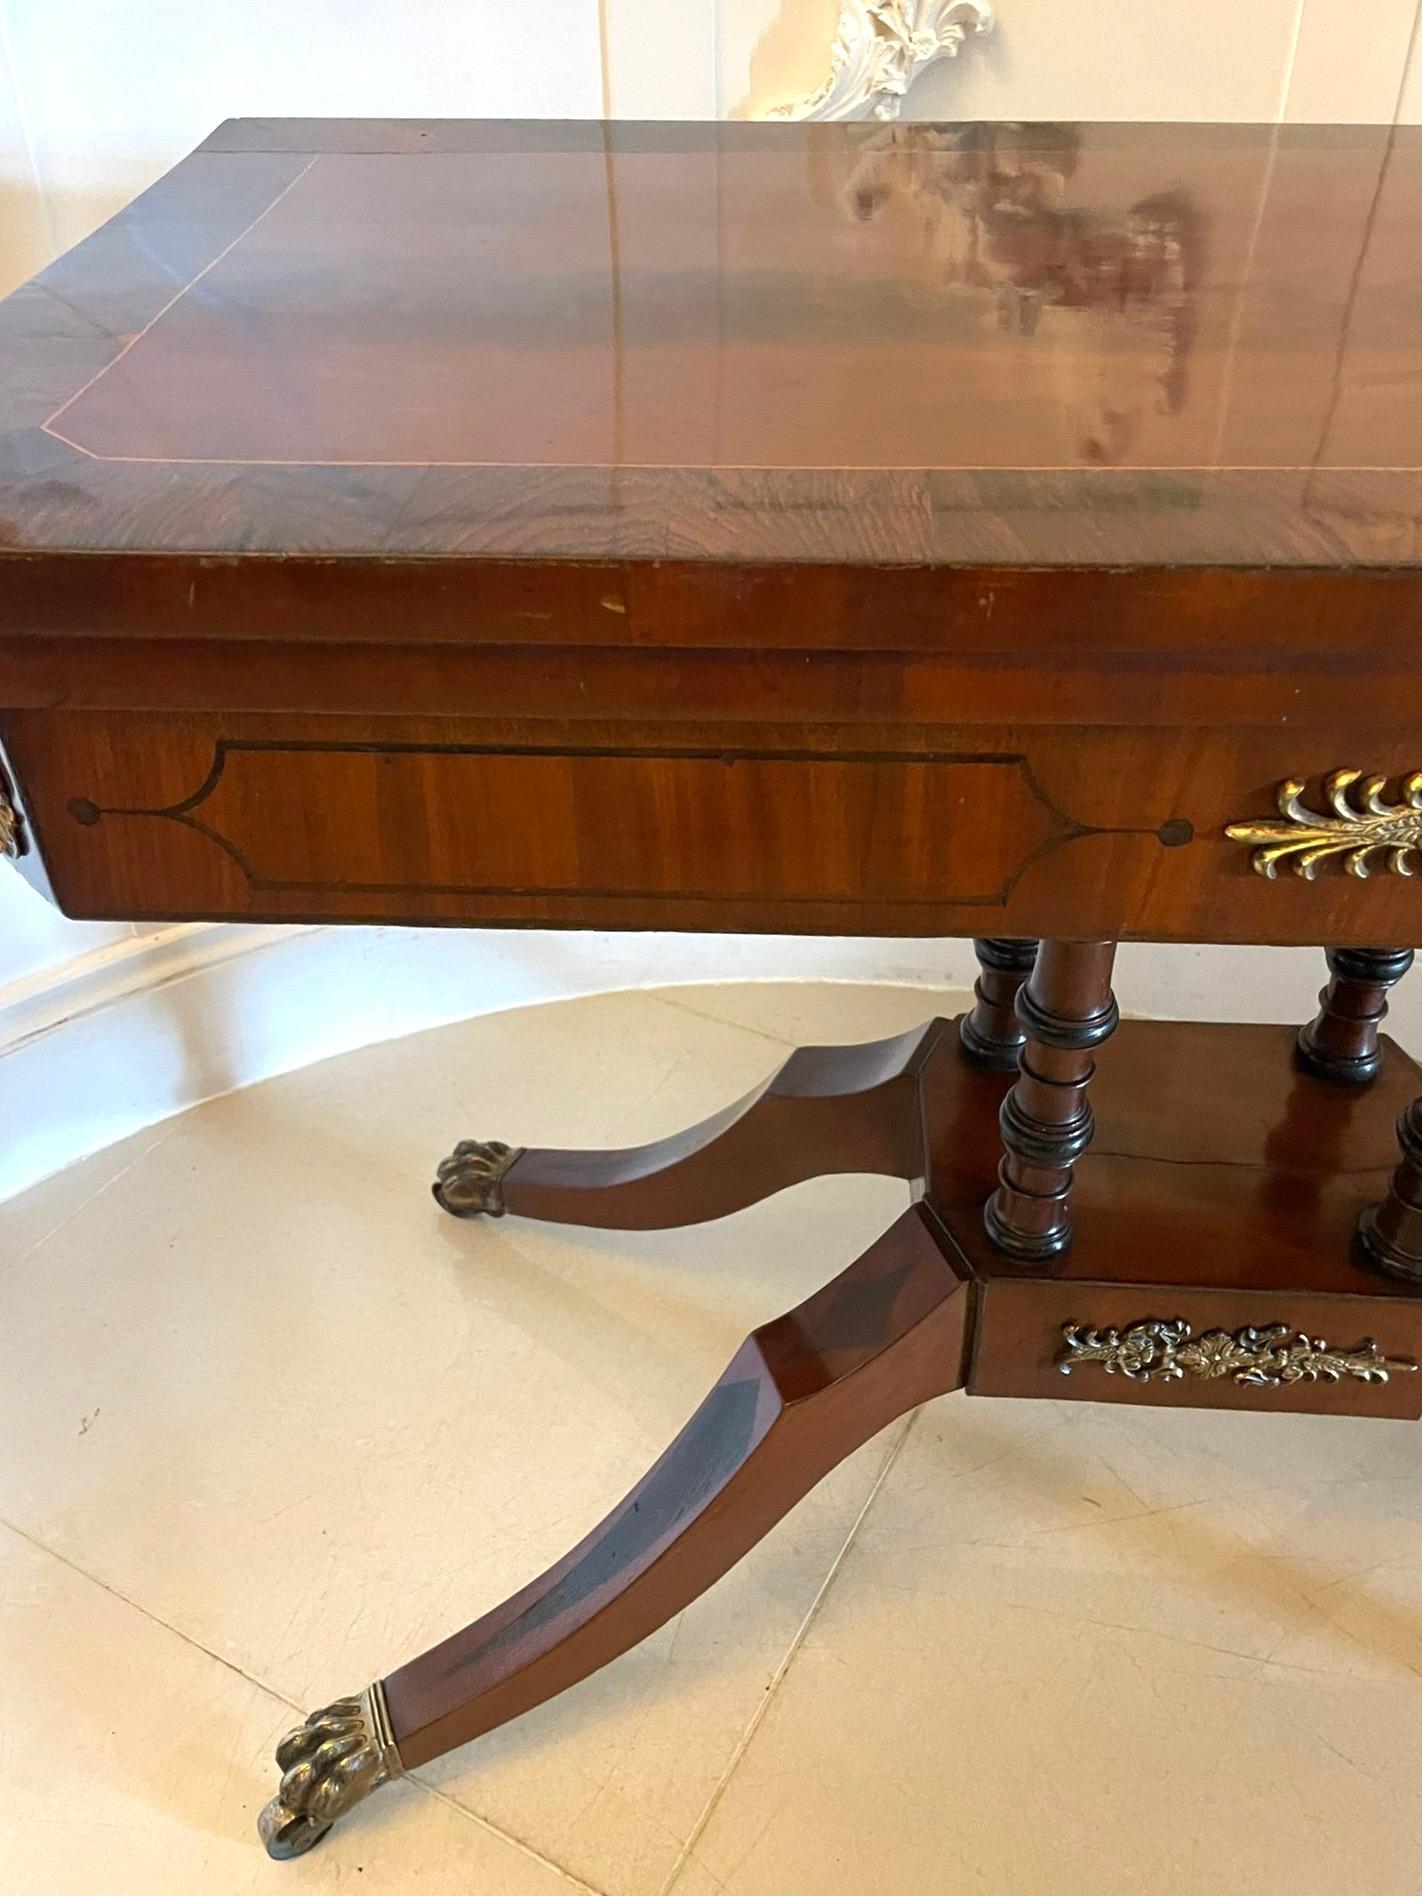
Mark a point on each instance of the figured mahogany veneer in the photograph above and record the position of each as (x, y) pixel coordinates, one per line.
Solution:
(1113, 345)
(885, 828)
(801, 1394)
(982, 425)
(567, 519)
(925, 530)
(1224, 1200)
(1222, 1185)
(826, 1111)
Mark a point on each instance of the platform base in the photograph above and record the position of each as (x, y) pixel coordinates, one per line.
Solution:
(1224, 1188)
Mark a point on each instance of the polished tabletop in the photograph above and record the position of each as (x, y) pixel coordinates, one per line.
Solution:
(1105, 344)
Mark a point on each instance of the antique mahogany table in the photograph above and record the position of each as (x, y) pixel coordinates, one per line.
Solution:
(993, 530)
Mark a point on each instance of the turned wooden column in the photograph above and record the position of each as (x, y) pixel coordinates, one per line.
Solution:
(1391, 1232)
(991, 1035)
(1067, 1009)
(1341, 1043)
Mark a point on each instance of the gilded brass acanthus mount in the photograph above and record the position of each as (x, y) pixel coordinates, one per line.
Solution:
(9, 827)
(1362, 824)
(1268, 1358)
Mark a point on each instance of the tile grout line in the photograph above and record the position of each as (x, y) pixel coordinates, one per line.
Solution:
(504, 1836)
(743, 1745)
(270, 1691)
(163, 1131)
(137, 1606)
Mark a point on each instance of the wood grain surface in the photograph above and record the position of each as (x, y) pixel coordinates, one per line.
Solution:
(881, 828)
(560, 524)
(1115, 345)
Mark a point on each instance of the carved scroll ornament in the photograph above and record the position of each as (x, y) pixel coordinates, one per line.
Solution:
(880, 48)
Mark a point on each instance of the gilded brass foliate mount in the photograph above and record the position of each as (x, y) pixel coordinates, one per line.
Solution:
(9, 827)
(1269, 1358)
(1363, 829)
(338, 1757)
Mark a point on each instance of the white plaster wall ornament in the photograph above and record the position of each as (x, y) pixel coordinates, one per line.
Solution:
(880, 48)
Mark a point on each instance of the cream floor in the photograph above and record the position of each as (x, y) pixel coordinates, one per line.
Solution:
(271, 1423)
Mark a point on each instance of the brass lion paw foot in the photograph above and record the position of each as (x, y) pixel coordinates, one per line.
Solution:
(470, 1182)
(339, 1756)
